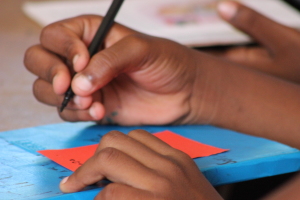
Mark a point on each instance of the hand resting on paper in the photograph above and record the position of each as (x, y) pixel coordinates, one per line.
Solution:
(141, 167)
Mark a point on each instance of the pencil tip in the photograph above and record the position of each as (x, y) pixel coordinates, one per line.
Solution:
(61, 108)
(64, 103)
(68, 96)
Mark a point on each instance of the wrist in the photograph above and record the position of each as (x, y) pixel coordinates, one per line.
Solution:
(206, 92)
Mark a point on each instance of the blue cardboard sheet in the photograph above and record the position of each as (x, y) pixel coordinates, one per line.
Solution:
(25, 174)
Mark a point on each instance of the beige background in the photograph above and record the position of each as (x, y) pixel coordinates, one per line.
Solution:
(18, 107)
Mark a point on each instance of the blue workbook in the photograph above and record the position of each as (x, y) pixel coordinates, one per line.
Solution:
(26, 174)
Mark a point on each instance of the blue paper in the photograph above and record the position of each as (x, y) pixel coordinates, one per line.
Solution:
(25, 174)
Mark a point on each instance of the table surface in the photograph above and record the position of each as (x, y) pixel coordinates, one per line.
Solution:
(25, 174)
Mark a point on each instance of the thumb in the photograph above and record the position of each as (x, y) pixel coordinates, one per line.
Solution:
(265, 31)
(109, 63)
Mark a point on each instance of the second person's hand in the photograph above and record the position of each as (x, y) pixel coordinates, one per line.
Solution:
(277, 52)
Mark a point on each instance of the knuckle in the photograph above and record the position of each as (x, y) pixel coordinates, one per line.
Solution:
(136, 132)
(180, 165)
(111, 191)
(50, 72)
(182, 156)
(70, 47)
(141, 42)
(110, 137)
(32, 57)
(107, 156)
(174, 168)
(59, 31)
(162, 184)
(47, 31)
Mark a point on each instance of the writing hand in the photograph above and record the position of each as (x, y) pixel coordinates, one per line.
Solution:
(141, 167)
(279, 46)
(135, 79)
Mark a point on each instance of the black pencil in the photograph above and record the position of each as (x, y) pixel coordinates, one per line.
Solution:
(97, 41)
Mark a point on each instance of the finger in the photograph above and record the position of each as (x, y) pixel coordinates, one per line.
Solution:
(148, 150)
(70, 38)
(43, 92)
(153, 142)
(114, 165)
(116, 191)
(267, 32)
(48, 67)
(145, 155)
(110, 62)
(67, 38)
(162, 148)
(94, 113)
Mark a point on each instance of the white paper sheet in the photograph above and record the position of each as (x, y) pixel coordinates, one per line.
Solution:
(189, 22)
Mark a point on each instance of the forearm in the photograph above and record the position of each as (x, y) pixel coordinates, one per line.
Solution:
(248, 101)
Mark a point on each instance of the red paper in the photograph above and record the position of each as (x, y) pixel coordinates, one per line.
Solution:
(193, 148)
(73, 158)
(70, 158)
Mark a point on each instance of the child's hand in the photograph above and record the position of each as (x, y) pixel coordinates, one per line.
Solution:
(136, 79)
(141, 167)
(280, 46)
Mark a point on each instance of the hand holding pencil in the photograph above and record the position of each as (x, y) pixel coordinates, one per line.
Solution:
(96, 43)
(136, 79)
(120, 84)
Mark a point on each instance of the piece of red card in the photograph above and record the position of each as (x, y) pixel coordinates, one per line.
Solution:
(73, 158)
(191, 147)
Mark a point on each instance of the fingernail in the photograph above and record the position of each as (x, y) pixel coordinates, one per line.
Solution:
(64, 180)
(93, 113)
(75, 59)
(76, 100)
(54, 80)
(83, 83)
(227, 9)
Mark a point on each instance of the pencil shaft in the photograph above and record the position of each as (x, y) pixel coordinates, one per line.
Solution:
(105, 26)
(97, 41)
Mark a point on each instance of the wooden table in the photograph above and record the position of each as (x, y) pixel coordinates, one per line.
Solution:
(19, 108)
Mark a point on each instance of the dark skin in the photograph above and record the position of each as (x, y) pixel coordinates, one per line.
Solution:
(277, 49)
(141, 167)
(157, 81)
